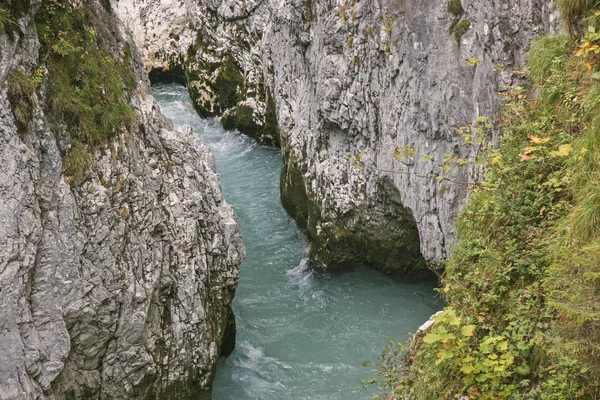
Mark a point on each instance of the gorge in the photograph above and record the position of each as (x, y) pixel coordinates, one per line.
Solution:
(450, 139)
(300, 333)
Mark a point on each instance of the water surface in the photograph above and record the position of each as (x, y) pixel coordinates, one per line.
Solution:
(301, 334)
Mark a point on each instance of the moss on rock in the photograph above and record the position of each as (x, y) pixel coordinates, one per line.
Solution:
(220, 88)
(381, 234)
(21, 90)
(241, 118)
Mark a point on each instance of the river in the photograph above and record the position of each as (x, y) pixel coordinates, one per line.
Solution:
(300, 334)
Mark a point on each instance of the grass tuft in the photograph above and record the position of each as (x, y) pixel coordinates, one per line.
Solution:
(455, 8)
(21, 90)
(460, 28)
(544, 55)
(89, 86)
(575, 11)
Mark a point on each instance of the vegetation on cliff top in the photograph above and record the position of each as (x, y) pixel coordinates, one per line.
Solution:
(88, 85)
(523, 318)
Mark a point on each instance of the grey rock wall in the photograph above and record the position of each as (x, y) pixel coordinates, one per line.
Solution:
(214, 46)
(119, 287)
(374, 76)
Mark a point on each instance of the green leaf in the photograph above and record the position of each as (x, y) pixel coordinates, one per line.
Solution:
(480, 161)
(563, 151)
(431, 338)
(451, 316)
(502, 346)
(427, 157)
(444, 354)
(523, 369)
(486, 347)
(467, 369)
(482, 120)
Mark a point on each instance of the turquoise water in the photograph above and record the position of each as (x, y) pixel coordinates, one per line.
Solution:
(301, 334)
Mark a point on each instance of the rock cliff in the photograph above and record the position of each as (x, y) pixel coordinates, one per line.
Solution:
(369, 96)
(213, 47)
(119, 257)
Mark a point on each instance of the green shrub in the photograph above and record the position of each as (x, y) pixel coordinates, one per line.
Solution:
(460, 28)
(523, 317)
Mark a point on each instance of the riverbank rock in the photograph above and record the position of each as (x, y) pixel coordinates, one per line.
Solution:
(369, 97)
(119, 258)
(215, 49)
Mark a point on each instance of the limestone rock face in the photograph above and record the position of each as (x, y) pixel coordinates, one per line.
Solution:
(215, 48)
(119, 287)
(370, 94)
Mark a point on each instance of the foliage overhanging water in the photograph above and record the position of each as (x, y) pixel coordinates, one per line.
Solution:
(301, 334)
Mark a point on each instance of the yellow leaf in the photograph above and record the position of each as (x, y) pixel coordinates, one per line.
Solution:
(530, 149)
(496, 159)
(588, 66)
(564, 150)
(525, 157)
(538, 140)
(467, 330)
(467, 369)
(444, 354)
(502, 346)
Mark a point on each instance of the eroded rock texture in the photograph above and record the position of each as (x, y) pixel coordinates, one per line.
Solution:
(355, 83)
(378, 77)
(214, 47)
(119, 287)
